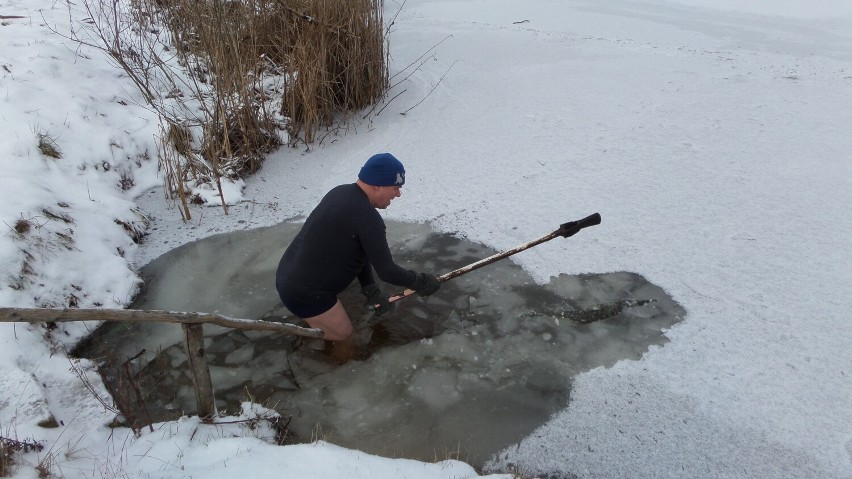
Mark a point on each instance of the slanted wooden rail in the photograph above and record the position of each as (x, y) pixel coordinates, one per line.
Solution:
(193, 335)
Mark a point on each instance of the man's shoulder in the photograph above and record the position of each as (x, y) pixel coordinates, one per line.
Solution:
(347, 192)
(347, 197)
(342, 189)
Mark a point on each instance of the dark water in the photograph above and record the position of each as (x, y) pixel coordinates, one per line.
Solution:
(470, 370)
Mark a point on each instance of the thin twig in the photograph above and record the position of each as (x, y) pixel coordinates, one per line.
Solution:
(393, 18)
(386, 104)
(430, 91)
(138, 391)
(81, 374)
(418, 59)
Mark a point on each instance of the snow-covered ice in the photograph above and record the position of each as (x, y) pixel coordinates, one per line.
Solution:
(711, 136)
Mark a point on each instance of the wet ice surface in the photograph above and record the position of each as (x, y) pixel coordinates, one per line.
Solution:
(464, 373)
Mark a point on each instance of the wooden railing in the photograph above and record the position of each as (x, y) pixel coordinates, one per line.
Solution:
(193, 335)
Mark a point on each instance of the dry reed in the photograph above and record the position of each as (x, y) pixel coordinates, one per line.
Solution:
(331, 54)
(335, 63)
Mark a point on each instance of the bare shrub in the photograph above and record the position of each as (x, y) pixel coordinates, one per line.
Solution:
(8, 448)
(220, 44)
(225, 76)
(148, 41)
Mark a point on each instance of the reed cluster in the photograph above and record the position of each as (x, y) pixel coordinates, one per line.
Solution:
(335, 60)
(330, 53)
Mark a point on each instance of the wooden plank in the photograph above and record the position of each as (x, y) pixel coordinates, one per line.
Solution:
(43, 315)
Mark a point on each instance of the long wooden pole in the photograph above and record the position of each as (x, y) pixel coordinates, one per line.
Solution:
(42, 315)
(565, 230)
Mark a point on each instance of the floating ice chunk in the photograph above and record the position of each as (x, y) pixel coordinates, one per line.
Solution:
(275, 357)
(176, 356)
(241, 355)
(227, 378)
(547, 336)
(436, 388)
(643, 310)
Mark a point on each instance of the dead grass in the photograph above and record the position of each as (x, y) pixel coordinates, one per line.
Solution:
(57, 215)
(23, 226)
(45, 467)
(47, 145)
(180, 138)
(8, 448)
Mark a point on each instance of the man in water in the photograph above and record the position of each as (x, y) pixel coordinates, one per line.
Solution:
(344, 238)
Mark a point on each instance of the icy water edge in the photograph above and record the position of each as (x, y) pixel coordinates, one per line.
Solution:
(464, 373)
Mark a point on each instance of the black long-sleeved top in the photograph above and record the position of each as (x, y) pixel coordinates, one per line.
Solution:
(339, 241)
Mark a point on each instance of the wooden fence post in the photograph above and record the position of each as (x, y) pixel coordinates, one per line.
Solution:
(194, 340)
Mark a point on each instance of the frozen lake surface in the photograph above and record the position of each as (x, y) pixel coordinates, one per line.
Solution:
(464, 373)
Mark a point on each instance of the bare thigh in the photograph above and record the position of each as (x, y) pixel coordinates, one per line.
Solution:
(335, 323)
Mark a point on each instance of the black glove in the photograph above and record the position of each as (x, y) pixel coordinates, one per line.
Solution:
(377, 299)
(426, 284)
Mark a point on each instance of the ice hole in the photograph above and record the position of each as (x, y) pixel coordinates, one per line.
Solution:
(465, 373)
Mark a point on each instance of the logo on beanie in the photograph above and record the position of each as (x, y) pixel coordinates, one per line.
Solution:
(383, 169)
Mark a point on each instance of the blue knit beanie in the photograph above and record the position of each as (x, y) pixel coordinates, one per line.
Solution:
(383, 169)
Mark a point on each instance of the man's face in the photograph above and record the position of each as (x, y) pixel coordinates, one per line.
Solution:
(385, 195)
